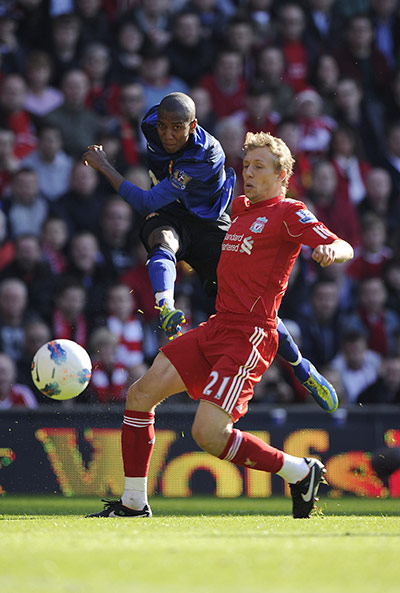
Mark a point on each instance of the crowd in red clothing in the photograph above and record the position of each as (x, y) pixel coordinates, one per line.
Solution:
(324, 76)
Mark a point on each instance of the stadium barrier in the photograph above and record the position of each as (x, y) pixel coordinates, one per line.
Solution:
(77, 452)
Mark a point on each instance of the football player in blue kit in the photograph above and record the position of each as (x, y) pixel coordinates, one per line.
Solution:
(186, 218)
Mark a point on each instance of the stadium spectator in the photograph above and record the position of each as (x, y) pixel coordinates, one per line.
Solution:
(79, 126)
(392, 281)
(102, 97)
(209, 356)
(204, 109)
(300, 182)
(126, 123)
(380, 201)
(357, 365)
(338, 275)
(259, 115)
(270, 67)
(189, 55)
(290, 37)
(36, 333)
(315, 128)
(329, 205)
(321, 323)
(52, 165)
(324, 30)
(260, 14)
(353, 109)
(230, 131)
(95, 27)
(386, 25)
(155, 77)
(373, 317)
(12, 394)
(68, 320)
(273, 388)
(33, 20)
(53, 239)
(240, 35)
(82, 204)
(115, 236)
(26, 207)
(137, 278)
(64, 45)
(8, 162)
(13, 315)
(391, 157)
(226, 84)
(214, 16)
(359, 58)
(123, 321)
(86, 265)
(127, 50)
(110, 378)
(374, 253)
(12, 51)
(153, 20)
(392, 100)
(14, 116)
(386, 389)
(29, 266)
(324, 78)
(351, 168)
(7, 248)
(41, 97)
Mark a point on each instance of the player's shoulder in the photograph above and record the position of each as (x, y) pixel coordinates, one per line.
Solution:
(239, 205)
(204, 147)
(291, 204)
(298, 210)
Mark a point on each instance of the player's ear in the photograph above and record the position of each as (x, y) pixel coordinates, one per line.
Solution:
(282, 174)
(193, 125)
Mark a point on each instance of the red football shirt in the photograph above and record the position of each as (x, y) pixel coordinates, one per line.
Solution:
(258, 254)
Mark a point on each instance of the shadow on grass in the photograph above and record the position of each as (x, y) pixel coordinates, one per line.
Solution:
(30, 506)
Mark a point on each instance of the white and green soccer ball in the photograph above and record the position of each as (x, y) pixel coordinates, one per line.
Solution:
(61, 369)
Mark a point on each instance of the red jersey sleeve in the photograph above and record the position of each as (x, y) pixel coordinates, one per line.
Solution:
(301, 226)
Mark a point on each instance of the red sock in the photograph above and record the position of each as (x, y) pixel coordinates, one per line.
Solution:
(248, 450)
(137, 440)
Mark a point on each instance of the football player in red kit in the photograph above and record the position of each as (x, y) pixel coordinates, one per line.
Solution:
(221, 360)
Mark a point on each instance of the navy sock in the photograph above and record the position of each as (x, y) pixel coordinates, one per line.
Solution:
(162, 270)
(289, 350)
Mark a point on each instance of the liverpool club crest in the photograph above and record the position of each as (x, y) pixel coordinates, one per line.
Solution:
(259, 224)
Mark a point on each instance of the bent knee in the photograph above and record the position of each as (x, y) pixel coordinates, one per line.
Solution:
(137, 399)
(210, 439)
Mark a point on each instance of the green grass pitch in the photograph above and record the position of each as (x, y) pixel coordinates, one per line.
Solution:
(200, 545)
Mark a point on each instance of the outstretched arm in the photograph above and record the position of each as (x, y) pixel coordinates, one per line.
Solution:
(142, 201)
(339, 251)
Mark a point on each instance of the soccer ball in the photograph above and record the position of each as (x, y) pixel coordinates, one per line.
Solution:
(61, 369)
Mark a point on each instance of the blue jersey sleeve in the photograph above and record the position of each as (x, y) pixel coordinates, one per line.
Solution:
(155, 198)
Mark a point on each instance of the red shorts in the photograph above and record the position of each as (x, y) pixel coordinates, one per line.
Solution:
(220, 361)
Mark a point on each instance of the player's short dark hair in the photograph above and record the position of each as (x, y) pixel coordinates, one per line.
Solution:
(179, 103)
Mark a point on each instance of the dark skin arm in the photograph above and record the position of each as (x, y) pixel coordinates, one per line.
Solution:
(97, 159)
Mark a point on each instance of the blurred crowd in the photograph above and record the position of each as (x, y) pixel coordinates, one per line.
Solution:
(324, 75)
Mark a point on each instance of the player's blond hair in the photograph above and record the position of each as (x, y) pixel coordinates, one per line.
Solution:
(277, 147)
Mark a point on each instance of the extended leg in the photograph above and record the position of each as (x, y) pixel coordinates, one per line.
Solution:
(213, 431)
(138, 437)
(322, 391)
